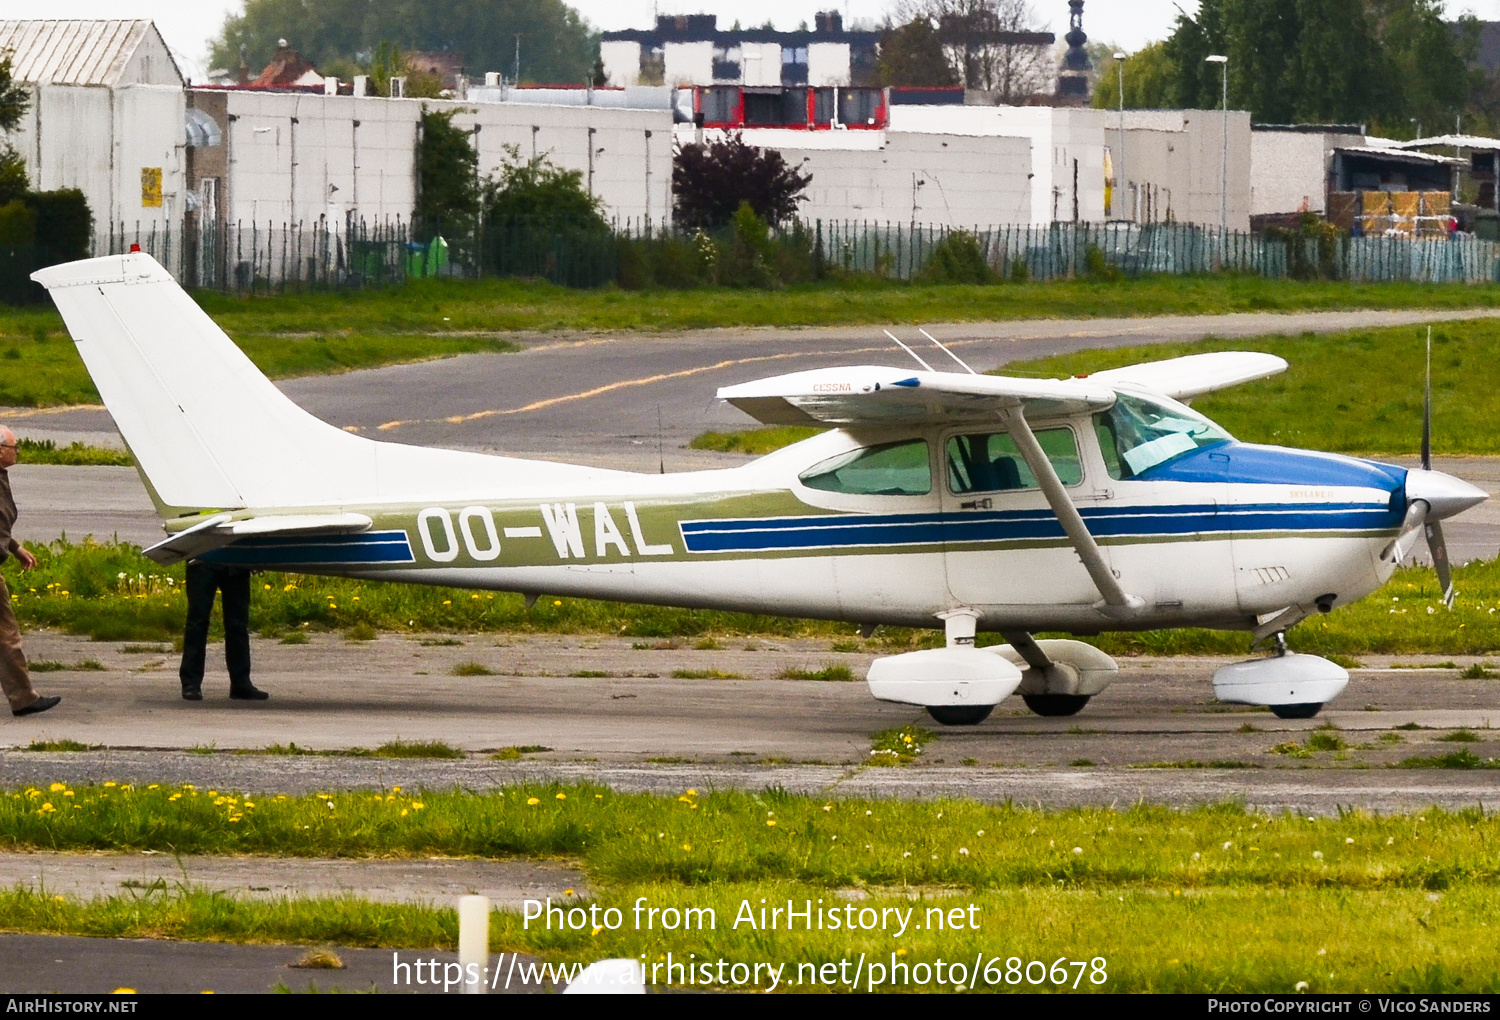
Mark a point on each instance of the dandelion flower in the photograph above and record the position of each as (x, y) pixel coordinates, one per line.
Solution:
(1318, 855)
(964, 851)
(771, 821)
(57, 787)
(1079, 850)
(562, 796)
(532, 801)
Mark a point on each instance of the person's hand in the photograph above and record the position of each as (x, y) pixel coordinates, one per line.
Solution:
(24, 555)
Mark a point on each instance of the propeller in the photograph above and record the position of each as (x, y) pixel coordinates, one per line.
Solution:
(1431, 497)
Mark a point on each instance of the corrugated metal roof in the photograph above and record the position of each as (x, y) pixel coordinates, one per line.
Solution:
(71, 52)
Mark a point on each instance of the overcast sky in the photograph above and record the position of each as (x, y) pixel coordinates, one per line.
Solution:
(189, 24)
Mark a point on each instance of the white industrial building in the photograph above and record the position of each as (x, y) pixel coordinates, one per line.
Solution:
(1289, 165)
(295, 157)
(107, 116)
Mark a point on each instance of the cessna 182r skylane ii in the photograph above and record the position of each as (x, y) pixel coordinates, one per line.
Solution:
(968, 501)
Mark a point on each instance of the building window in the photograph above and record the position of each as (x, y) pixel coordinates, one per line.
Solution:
(726, 63)
(794, 65)
(653, 65)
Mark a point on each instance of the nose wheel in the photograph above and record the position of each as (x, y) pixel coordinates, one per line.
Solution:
(960, 715)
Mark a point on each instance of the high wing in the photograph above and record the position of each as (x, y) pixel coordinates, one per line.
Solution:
(871, 395)
(1194, 375)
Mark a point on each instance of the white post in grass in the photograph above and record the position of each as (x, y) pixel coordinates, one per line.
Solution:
(474, 941)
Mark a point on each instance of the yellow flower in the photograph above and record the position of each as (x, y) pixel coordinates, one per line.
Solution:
(154, 786)
(532, 801)
(174, 796)
(46, 807)
(557, 603)
(57, 787)
(249, 804)
(562, 796)
(447, 602)
(395, 789)
(416, 805)
(67, 793)
(404, 812)
(771, 821)
(109, 782)
(687, 846)
(692, 793)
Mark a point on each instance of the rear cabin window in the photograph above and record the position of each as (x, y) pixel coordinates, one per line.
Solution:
(992, 462)
(1138, 434)
(893, 469)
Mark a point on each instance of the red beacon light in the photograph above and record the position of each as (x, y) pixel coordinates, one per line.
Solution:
(134, 248)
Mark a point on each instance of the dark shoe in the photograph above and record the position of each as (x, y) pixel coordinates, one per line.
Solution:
(192, 694)
(248, 693)
(39, 705)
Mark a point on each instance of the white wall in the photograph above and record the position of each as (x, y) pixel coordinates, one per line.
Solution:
(828, 63)
(689, 63)
(622, 62)
(955, 180)
(98, 140)
(263, 186)
(760, 63)
(1288, 168)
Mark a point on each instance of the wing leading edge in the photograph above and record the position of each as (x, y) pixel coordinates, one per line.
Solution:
(872, 395)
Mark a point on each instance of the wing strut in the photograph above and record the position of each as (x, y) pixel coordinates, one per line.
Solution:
(1116, 602)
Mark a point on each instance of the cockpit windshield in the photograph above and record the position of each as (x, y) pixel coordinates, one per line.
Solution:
(1138, 434)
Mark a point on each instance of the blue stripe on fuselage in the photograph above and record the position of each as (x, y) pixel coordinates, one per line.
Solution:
(315, 550)
(853, 531)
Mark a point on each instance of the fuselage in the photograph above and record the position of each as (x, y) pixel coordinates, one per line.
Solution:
(1221, 535)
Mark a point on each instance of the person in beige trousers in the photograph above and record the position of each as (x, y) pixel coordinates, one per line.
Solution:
(15, 678)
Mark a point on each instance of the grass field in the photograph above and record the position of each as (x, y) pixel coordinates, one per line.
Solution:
(112, 593)
(1208, 899)
(333, 332)
(1354, 392)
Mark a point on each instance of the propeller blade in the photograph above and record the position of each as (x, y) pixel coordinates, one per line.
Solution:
(1439, 549)
(1427, 409)
(1411, 527)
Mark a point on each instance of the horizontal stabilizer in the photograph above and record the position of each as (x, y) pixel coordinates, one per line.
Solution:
(1194, 375)
(871, 395)
(221, 530)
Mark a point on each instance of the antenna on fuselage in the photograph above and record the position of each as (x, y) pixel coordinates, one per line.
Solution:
(908, 350)
(950, 354)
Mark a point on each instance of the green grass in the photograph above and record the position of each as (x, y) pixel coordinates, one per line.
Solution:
(835, 672)
(1462, 736)
(1464, 759)
(704, 674)
(57, 745)
(504, 305)
(50, 666)
(1227, 763)
(472, 669)
(417, 749)
(1478, 671)
(899, 746)
(78, 589)
(1203, 899)
(49, 373)
(753, 441)
(45, 451)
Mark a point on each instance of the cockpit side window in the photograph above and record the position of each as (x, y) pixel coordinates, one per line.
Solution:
(992, 462)
(1138, 434)
(891, 469)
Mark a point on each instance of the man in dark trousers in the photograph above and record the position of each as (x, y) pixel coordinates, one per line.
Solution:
(15, 678)
(203, 579)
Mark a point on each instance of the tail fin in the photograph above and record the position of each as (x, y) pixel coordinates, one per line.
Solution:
(209, 431)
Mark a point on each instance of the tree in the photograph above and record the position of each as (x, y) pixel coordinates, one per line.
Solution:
(539, 188)
(1149, 79)
(447, 168)
(913, 55)
(985, 43)
(557, 45)
(15, 99)
(1379, 62)
(711, 180)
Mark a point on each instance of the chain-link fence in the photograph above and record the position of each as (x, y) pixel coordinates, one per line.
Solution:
(273, 258)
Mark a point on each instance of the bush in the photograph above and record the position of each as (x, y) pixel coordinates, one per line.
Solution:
(1311, 249)
(64, 225)
(17, 224)
(957, 258)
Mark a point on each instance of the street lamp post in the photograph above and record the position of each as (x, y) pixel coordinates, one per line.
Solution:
(1120, 163)
(1223, 63)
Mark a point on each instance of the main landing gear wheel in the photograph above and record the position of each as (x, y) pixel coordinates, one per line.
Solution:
(1055, 704)
(1305, 711)
(961, 715)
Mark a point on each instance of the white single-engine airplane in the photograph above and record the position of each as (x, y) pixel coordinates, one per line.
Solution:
(968, 501)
